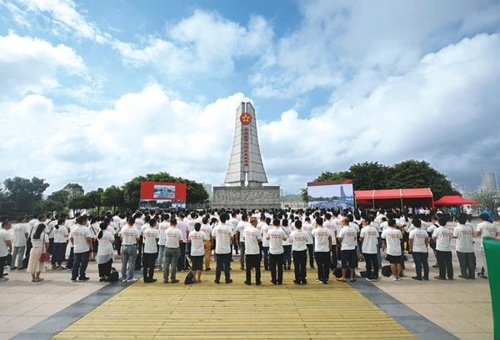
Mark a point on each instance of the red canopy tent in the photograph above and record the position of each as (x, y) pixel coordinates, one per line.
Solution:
(394, 197)
(454, 200)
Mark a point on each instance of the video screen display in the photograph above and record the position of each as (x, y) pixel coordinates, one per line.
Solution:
(331, 195)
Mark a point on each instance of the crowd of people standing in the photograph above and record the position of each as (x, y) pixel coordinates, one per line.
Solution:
(332, 242)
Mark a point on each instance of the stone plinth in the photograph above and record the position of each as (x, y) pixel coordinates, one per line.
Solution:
(246, 197)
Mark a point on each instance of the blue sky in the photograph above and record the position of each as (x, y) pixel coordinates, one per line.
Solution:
(97, 92)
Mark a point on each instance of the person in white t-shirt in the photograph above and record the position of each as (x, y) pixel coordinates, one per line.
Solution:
(207, 243)
(222, 233)
(129, 236)
(443, 236)
(369, 238)
(265, 241)
(21, 231)
(391, 242)
(173, 241)
(418, 242)
(40, 242)
(162, 227)
(61, 234)
(483, 229)
(347, 237)
(276, 235)
(240, 228)
(196, 240)
(104, 256)
(465, 248)
(253, 241)
(308, 228)
(150, 237)
(5, 247)
(322, 247)
(299, 239)
(81, 237)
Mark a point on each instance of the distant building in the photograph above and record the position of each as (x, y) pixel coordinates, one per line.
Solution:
(208, 189)
(489, 181)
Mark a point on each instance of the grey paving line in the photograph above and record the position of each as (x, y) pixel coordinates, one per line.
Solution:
(418, 325)
(54, 324)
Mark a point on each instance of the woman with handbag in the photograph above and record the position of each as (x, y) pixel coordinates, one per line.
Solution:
(39, 254)
(104, 256)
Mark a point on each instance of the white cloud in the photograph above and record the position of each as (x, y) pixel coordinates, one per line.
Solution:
(65, 17)
(203, 43)
(30, 65)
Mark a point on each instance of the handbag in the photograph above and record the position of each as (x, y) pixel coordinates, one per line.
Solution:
(45, 256)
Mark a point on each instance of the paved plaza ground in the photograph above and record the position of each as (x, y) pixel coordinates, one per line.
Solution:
(407, 309)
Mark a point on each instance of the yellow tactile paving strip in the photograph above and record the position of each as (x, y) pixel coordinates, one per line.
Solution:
(237, 311)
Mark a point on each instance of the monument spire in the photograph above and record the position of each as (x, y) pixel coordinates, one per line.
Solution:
(245, 164)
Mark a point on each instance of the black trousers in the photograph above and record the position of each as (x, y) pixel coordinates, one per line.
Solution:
(445, 265)
(148, 265)
(323, 263)
(333, 257)
(276, 266)
(223, 263)
(181, 264)
(80, 265)
(310, 251)
(253, 261)
(299, 264)
(371, 261)
(3, 259)
(265, 254)
(467, 264)
(105, 268)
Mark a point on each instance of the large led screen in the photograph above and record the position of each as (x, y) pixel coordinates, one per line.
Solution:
(331, 195)
(162, 195)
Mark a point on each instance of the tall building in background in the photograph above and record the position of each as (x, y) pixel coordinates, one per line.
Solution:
(489, 180)
(245, 164)
(243, 185)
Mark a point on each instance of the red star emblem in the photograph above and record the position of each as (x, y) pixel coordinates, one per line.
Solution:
(245, 118)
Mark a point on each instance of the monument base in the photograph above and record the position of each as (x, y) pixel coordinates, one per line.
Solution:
(228, 197)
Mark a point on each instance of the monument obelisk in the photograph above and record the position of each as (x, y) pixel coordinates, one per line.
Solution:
(243, 185)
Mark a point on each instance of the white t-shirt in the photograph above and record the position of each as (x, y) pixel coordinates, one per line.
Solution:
(241, 229)
(197, 238)
(276, 237)
(348, 237)
(332, 227)
(264, 230)
(50, 228)
(61, 234)
(80, 234)
(5, 236)
(39, 243)
(465, 238)
(321, 239)
(308, 228)
(370, 239)
(443, 237)
(129, 235)
(392, 237)
(207, 229)
(173, 237)
(299, 240)
(251, 237)
(222, 234)
(418, 236)
(487, 229)
(105, 242)
(184, 228)
(20, 234)
(150, 237)
(162, 226)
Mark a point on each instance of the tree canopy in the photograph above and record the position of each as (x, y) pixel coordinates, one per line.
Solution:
(407, 174)
(196, 193)
(24, 193)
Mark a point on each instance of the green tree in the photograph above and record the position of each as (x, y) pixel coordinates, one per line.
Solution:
(327, 176)
(73, 189)
(486, 199)
(369, 175)
(196, 193)
(48, 205)
(78, 203)
(61, 196)
(24, 192)
(94, 199)
(419, 174)
(113, 197)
